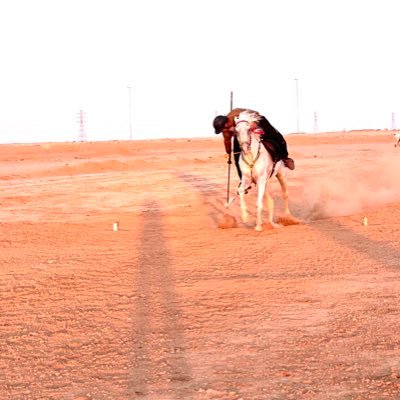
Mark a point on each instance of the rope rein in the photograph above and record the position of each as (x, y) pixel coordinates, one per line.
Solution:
(251, 164)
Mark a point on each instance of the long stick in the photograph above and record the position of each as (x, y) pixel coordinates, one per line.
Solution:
(228, 201)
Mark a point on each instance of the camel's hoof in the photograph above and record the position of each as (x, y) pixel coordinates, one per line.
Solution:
(258, 228)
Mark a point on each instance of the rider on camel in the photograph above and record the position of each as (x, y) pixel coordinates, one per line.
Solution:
(272, 139)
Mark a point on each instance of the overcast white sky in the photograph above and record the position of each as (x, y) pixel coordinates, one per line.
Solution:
(182, 58)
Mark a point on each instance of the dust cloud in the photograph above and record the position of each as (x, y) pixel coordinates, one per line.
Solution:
(347, 192)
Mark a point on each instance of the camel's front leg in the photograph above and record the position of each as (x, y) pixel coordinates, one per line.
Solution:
(270, 207)
(260, 200)
(243, 207)
(270, 203)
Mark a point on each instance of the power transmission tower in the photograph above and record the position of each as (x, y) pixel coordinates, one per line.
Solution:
(82, 131)
(316, 130)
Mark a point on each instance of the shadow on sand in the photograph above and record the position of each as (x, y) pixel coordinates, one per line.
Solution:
(159, 344)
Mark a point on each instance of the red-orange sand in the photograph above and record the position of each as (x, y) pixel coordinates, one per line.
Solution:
(172, 307)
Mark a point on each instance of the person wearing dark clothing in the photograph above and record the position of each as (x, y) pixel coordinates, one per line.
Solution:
(226, 125)
(275, 143)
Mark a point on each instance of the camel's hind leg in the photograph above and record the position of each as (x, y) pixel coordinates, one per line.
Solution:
(271, 209)
(285, 192)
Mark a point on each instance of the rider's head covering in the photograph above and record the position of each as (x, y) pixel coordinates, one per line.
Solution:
(219, 123)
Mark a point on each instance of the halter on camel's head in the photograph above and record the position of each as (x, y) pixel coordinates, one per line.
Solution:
(245, 123)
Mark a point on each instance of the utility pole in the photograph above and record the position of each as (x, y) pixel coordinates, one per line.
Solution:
(82, 131)
(130, 110)
(231, 103)
(393, 122)
(316, 122)
(297, 104)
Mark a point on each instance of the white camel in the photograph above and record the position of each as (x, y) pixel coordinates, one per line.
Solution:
(258, 168)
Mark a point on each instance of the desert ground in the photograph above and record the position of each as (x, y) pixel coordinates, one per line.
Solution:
(171, 306)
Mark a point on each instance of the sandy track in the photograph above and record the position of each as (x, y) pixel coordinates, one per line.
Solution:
(170, 306)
